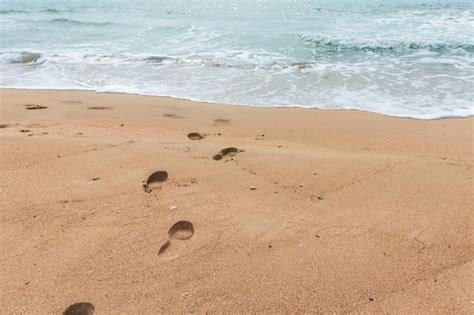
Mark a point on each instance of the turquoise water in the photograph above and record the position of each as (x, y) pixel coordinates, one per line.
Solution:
(400, 58)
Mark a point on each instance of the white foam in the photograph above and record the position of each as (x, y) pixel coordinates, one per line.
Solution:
(400, 59)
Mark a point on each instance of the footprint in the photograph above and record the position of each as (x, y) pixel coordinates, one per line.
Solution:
(154, 179)
(173, 116)
(224, 152)
(99, 107)
(34, 106)
(4, 126)
(196, 136)
(36, 126)
(71, 102)
(80, 309)
(180, 231)
(221, 122)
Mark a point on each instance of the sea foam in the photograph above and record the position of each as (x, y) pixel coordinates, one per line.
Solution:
(405, 58)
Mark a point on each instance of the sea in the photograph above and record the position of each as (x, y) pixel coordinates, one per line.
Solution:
(404, 58)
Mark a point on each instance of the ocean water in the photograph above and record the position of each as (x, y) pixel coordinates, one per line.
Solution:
(408, 58)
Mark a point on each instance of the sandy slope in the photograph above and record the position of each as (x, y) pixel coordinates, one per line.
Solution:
(322, 211)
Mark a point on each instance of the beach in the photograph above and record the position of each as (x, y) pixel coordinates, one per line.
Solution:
(307, 211)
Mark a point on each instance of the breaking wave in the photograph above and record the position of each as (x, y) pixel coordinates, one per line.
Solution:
(345, 45)
(65, 21)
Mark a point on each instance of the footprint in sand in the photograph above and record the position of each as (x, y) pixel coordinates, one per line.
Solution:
(221, 122)
(4, 126)
(173, 116)
(179, 232)
(226, 152)
(80, 309)
(71, 102)
(34, 106)
(196, 136)
(154, 181)
(100, 107)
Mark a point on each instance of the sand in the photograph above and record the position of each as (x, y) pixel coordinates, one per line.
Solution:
(313, 211)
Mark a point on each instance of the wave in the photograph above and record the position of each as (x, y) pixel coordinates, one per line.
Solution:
(342, 45)
(11, 11)
(52, 10)
(237, 63)
(159, 60)
(191, 78)
(20, 57)
(43, 11)
(76, 22)
(229, 61)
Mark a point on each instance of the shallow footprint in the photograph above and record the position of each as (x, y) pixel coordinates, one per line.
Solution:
(227, 151)
(71, 102)
(80, 309)
(99, 107)
(180, 231)
(221, 122)
(173, 116)
(196, 136)
(154, 180)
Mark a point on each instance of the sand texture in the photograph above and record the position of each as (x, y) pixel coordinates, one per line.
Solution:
(145, 205)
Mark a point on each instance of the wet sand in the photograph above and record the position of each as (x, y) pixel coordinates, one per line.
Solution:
(306, 211)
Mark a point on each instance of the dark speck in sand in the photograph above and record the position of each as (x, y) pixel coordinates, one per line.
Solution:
(100, 107)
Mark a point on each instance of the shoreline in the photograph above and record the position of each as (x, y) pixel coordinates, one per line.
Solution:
(235, 104)
(314, 211)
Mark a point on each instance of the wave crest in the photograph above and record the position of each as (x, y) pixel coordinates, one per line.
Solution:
(159, 60)
(76, 22)
(11, 11)
(342, 45)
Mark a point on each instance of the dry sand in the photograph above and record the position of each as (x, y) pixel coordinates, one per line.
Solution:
(318, 211)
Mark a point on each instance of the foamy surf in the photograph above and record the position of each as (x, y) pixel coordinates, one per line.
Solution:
(409, 59)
